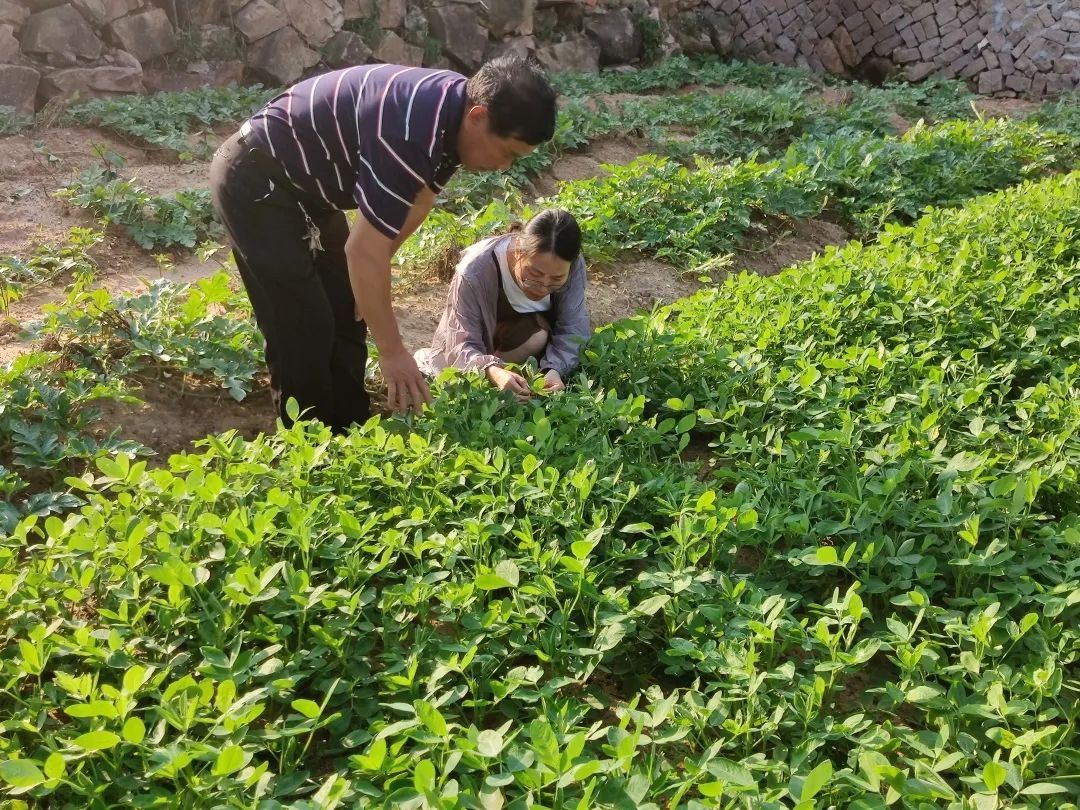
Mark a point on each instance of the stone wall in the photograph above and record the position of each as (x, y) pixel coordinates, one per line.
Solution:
(61, 48)
(1006, 47)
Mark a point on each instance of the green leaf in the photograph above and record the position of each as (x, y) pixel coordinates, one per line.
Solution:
(309, 708)
(21, 773)
(55, 766)
(231, 758)
(826, 555)
(730, 772)
(923, 693)
(1044, 789)
(424, 776)
(97, 741)
(489, 743)
(817, 779)
(431, 717)
(97, 708)
(134, 730)
(993, 775)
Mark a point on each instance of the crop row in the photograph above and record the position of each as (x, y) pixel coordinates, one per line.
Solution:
(869, 601)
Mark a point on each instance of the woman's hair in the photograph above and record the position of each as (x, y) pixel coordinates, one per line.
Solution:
(551, 231)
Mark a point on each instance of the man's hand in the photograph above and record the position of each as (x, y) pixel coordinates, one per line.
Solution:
(506, 380)
(405, 385)
(553, 382)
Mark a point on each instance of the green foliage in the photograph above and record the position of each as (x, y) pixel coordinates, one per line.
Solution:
(192, 332)
(873, 179)
(183, 219)
(687, 215)
(1061, 115)
(679, 71)
(871, 597)
(13, 122)
(46, 409)
(178, 121)
(47, 262)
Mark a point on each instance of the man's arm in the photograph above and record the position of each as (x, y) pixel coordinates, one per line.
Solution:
(368, 253)
(421, 207)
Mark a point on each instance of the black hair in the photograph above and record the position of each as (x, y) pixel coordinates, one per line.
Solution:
(519, 100)
(551, 231)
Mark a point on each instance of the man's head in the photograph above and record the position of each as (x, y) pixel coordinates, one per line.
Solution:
(509, 110)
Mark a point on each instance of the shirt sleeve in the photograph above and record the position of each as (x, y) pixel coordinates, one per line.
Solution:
(465, 346)
(391, 173)
(572, 328)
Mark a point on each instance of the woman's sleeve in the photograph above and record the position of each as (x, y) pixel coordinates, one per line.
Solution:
(571, 328)
(466, 348)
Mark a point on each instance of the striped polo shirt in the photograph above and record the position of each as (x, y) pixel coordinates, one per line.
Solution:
(368, 137)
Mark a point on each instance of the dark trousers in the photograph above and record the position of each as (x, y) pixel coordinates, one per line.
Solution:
(316, 350)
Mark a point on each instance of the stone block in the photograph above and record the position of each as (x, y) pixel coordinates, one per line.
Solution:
(315, 20)
(922, 12)
(892, 14)
(61, 32)
(580, 54)
(1056, 35)
(392, 13)
(845, 46)
(1018, 82)
(92, 82)
(928, 50)
(282, 57)
(885, 47)
(853, 21)
(462, 36)
(972, 40)
(918, 71)
(946, 58)
(13, 13)
(990, 82)
(394, 50)
(259, 19)
(508, 17)
(18, 88)
(829, 56)
(905, 56)
(346, 49)
(617, 35)
(1067, 65)
(977, 66)
(9, 46)
(146, 35)
(1057, 83)
(951, 39)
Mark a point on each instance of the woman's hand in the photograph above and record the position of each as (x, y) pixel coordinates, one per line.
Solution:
(553, 382)
(506, 380)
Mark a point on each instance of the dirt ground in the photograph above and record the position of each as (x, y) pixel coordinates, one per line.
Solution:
(34, 166)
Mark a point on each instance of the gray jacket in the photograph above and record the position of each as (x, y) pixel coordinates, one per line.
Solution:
(464, 338)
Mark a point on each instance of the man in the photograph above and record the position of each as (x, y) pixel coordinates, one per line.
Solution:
(383, 139)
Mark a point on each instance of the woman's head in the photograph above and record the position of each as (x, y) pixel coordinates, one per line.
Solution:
(544, 250)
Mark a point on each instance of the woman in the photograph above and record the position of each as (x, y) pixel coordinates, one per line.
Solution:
(513, 297)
